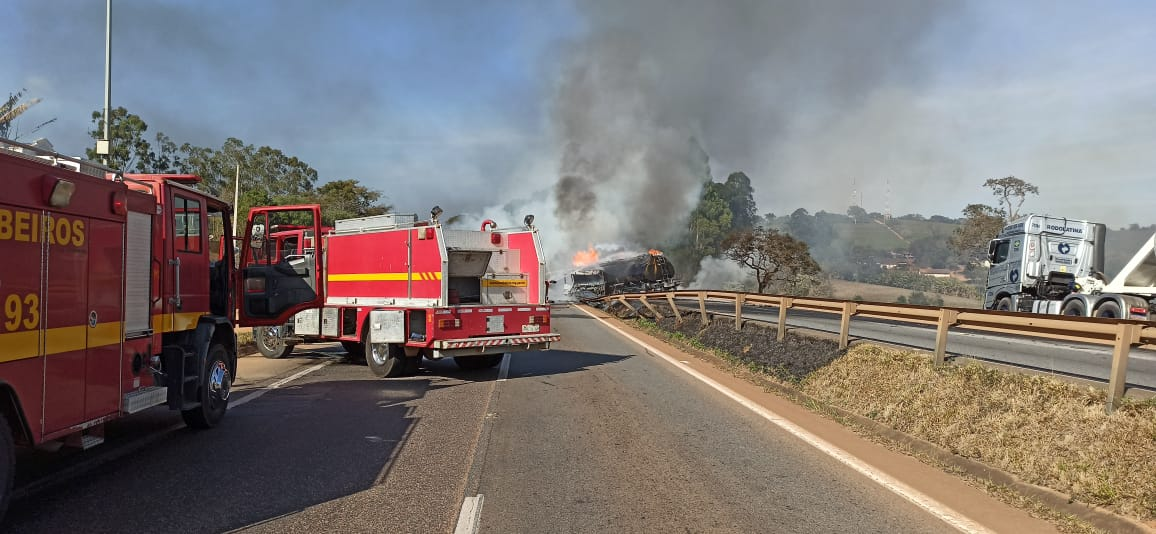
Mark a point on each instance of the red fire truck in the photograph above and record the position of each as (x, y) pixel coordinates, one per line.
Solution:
(117, 293)
(398, 289)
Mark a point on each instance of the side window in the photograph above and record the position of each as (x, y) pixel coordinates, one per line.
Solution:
(217, 237)
(1001, 252)
(187, 225)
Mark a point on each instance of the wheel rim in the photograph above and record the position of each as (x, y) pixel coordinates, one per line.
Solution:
(220, 382)
(271, 338)
(379, 353)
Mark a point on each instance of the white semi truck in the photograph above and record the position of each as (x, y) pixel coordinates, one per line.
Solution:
(1052, 265)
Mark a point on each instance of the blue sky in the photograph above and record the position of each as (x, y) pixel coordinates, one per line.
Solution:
(458, 103)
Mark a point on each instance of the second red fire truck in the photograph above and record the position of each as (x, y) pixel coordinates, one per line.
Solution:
(398, 289)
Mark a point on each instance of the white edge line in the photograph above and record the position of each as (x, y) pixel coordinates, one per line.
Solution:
(277, 384)
(470, 515)
(504, 371)
(936, 508)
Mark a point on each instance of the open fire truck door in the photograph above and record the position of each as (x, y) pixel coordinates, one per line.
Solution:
(277, 280)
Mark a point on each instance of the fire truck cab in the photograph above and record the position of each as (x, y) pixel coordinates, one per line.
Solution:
(117, 294)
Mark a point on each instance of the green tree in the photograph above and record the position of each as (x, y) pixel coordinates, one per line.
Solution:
(1011, 192)
(740, 197)
(11, 109)
(710, 222)
(267, 175)
(775, 258)
(981, 224)
(858, 214)
(347, 199)
(129, 150)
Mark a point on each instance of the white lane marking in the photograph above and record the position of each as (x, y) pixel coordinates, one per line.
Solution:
(469, 516)
(936, 508)
(505, 369)
(277, 384)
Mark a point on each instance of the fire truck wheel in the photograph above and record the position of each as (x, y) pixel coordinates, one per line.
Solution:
(355, 350)
(270, 342)
(386, 360)
(485, 361)
(213, 393)
(7, 463)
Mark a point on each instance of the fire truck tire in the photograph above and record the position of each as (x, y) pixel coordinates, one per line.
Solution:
(1109, 310)
(214, 391)
(269, 342)
(484, 361)
(355, 350)
(1074, 308)
(385, 360)
(7, 464)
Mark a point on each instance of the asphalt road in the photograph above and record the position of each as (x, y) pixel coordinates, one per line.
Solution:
(596, 435)
(1082, 360)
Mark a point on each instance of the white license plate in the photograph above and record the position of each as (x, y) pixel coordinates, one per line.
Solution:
(531, 328)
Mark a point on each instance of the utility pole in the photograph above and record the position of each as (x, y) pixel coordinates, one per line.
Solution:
(102, 146)
(236, 201)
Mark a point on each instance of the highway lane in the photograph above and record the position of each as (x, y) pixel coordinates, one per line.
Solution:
(335, 450)
(1073, 359)
(632, 445)
(596, 435)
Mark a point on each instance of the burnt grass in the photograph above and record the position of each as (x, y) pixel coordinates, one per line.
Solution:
(754, 346)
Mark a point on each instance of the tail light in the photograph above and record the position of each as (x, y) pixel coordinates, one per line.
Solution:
(1139, 311)
(539, 319)
(446, 324)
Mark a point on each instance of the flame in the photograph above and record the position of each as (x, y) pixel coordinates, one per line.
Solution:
(654, 252)
(586, 257)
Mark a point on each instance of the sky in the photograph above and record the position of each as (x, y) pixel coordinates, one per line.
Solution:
(601, 117)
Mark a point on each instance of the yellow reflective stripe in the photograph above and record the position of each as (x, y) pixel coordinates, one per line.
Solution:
(65, 339)
(383, 277)
(20, 345)
(26, 344)
(176, 322)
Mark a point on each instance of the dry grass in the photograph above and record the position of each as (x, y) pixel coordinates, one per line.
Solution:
(845, 289)
(1045, 431)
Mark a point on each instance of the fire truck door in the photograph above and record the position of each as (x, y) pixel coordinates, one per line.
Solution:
(275, 286)
(64, 314)
(187, 295)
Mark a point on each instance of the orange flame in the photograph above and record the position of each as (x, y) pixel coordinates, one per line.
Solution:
(654, 252)
(586, 257)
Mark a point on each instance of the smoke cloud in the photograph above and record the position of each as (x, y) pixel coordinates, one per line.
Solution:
(653, 85)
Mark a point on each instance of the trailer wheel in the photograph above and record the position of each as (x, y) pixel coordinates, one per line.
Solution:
(1003, 304)
(385, 360)
(355, 350)
(484, 361)
(214, 391)
(1074, 308)
(270, 342)
(1109, 310)
(7, 464)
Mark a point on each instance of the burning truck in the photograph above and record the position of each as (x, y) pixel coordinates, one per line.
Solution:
(642, 273)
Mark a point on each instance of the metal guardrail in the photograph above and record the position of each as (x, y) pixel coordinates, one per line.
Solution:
(1121, 335)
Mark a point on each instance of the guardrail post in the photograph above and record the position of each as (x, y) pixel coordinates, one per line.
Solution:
(946, 319)
(650, 307)
(845, 325)
(673, 308)
(784, 303)
(1127, 334)
(702, 309)
(739, 298)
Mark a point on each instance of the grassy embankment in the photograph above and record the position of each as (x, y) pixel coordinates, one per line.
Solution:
(1042, 430)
